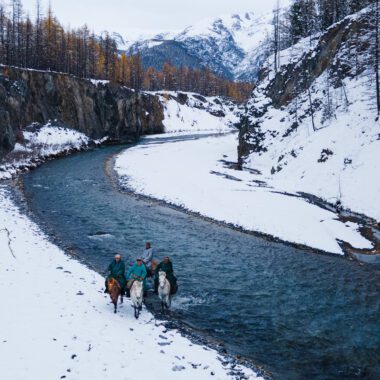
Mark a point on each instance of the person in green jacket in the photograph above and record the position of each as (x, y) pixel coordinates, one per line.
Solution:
(137, 272)
(166, 266)
(116, 270)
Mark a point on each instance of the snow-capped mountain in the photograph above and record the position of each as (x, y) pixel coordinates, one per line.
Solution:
(231, 46)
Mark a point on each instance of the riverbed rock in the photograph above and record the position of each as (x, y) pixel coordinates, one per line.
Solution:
(97, 109)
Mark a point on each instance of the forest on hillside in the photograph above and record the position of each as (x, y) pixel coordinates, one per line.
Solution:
(42, 43)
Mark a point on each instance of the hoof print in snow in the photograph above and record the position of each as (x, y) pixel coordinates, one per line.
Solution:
(80, 293)
(162, 337)
(63, 377)
(59, 268)
(73, 356)
(67, 271)
(178, 368)
(212, 373)
(325, 154)
(164, 343)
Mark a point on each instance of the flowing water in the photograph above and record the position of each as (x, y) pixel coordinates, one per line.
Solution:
(302, 315)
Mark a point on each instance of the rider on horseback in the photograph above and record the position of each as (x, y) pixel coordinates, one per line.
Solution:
(137, 272)
(147, 257)
(116, 270)
(167, 267)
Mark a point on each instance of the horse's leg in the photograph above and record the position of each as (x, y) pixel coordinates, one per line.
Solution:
(136, 313)
(115, 307)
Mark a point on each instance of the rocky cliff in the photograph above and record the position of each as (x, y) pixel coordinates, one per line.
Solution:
(97, 109)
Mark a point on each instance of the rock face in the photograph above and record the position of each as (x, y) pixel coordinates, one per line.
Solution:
(96, 109)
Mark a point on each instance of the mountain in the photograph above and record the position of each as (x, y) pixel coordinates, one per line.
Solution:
(313, 126)
(231, 46)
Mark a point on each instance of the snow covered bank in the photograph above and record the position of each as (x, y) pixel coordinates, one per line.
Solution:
(41, 143)
(321, 139)
(195, 175)
(188, 112)
(57, 323)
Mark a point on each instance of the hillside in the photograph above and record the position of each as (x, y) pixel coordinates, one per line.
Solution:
(313, 126)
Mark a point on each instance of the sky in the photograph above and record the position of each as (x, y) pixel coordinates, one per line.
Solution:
(133, 17)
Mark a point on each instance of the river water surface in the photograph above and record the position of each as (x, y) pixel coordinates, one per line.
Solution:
(302, 315)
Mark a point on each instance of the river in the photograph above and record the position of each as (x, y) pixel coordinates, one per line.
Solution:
(300, 314)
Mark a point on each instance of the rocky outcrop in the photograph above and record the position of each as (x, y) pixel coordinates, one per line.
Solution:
(298, 76)
(96, 109)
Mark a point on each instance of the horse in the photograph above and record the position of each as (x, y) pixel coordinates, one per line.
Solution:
(137, 294)
(164, 290)
(114, 290)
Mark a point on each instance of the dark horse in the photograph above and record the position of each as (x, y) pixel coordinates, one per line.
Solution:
(114, 290)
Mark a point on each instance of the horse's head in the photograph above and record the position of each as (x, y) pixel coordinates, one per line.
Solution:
(110, 283)
(162, 278)
(137, 290)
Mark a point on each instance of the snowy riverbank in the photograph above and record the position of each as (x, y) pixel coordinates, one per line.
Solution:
(41, 143)
(58, 323)
(196, 175)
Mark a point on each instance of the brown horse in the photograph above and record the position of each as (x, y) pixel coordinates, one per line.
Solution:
(114, 290)
(153, 268)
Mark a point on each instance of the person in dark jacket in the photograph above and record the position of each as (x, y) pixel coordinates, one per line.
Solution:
(116, 270)
(167, 267)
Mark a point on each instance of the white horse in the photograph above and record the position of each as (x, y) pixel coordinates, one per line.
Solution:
(164, 291)
(137, 294)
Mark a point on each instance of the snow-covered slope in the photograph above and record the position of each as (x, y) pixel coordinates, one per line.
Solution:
(230, 45)
(314, 127)
(189, 112)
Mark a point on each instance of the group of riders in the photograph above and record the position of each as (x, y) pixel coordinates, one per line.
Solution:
(143, 268)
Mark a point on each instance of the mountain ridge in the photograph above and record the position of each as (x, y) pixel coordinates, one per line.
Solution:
(229, 45)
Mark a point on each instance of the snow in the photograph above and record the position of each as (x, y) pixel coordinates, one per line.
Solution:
(340, 159)
(194, 175)
(41, 143)
(348, 174)
(198, 115)
(57, 323)
(97, 82)
(229, 43)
